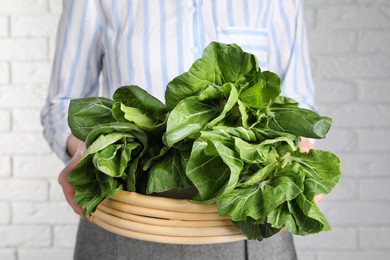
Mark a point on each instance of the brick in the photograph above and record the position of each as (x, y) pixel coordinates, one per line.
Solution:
(353, 254)
(373, 2)
(352, 17)
(23, 6)
(44, 166)
(345, 189)
(359, 114)
(17, 96)
(302, 254)
(16, 49)
(26, 120)
(373, 90)
(374, 238)
(335, 91)
(370, 164)
(339, 140)
(65, 236)
(55, 192)
(31, 72)
(34, 25)
(374, 42)
(5, 215)
(23, 190)
(55, 6)
(7, 253)
(357, 66)
(338, 237)
(5, 120)
(25, 236)
(23, 144)
(43, 213)
(319, 3)
(353, 213)
(4, 26)
(4, 73)
(374, 140)
(326, 42)
(52, 47)
(310, 20)
(45, 254)
(374, 189)
(5, 166)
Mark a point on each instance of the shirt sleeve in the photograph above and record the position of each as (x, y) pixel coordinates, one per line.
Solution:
(75, 70)
(289, 54)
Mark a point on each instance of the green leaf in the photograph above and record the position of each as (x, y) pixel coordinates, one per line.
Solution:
(284, 102)
(243, 204)
(322, 170)
(219, 64)
(118, 127)
(107, 162)
(231, 159)
(244, 114)
(85, 181)
(232, 100)
(308, 217)
(168, 173)
(86, 113)
(186, 119)
(207, 182)
(262, 174)
(110, 160)
(229, 132)
(137, 116)
(252, 96)
(211, 92)
(282, 188)
(131, 183)
(299, 121)
(247, 151)
(262, 91)
(136, 97)
(272, 88)
(257, 231)
(282, 217)
(127, 154)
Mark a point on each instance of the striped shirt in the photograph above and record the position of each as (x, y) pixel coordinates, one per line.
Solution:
(149, 42)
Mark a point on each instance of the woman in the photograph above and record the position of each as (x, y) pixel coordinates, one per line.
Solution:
(147, 43)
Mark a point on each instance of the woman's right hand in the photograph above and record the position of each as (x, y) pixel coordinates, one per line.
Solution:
(76, 149)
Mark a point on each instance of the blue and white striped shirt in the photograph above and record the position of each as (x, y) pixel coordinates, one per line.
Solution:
(149, 42)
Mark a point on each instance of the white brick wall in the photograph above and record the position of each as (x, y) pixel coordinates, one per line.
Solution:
(350, 51)
(349, 43)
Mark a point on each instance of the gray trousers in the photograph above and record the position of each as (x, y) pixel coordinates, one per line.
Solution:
(94, 243)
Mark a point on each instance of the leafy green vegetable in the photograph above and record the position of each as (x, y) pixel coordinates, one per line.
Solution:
(107, 164)
(224, 131)
(86, 113)
(169, 173)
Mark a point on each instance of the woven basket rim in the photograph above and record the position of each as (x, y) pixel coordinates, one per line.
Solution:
(164, 220)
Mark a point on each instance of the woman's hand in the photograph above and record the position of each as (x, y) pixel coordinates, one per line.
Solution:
(76, 149)
(305, 145)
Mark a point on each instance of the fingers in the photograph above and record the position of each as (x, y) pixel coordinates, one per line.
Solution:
(305, 145)
(68, 189)
(318, 198)
(69, 193)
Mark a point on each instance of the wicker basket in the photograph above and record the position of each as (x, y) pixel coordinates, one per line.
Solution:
(164, 220)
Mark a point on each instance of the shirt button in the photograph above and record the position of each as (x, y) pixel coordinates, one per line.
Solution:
(194, 50)
(192, 9)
